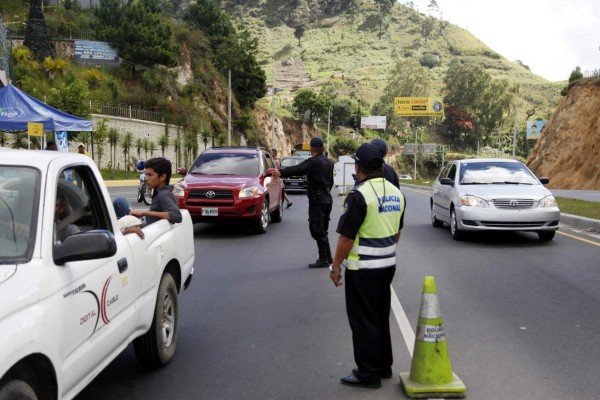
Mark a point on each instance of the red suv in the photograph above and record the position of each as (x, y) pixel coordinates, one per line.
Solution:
(232, 184)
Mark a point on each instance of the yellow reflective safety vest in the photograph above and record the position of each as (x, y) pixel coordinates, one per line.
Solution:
(375, 242)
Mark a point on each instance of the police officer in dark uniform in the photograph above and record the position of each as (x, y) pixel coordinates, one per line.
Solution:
(369, 229)
(388, 172)
(319, 172)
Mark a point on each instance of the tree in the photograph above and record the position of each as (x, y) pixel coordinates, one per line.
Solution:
(70, 97)
(575, 75)
(299, 32)
(307, 101)
(146, 146)
(37, 35)
(139, 144)
(163, 142)
(384, 7)
(113, 139)
(406, 79)
(138, 30)
(126, 144)
(471, 89)
(99, 138)
(344, 145)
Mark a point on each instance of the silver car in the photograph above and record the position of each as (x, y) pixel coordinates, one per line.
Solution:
(493, 194)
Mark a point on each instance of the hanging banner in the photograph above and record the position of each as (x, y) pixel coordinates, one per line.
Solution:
(35, 129)
(62, 142)
(418, 106)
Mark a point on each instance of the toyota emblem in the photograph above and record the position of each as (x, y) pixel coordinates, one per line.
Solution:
(514, 203)
(210, 194)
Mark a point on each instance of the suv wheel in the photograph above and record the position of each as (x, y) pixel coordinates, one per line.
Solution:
(277, 215)
(262, 224)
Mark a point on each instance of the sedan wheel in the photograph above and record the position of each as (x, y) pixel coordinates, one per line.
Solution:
(546, 236)
(434, 221)
(456, 233)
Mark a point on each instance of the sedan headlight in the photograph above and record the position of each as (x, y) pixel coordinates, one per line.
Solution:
(473, 201)
(548, 201)
(252, 191)
(179, 189)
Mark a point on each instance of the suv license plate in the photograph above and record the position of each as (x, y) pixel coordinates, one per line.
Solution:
(210, 212)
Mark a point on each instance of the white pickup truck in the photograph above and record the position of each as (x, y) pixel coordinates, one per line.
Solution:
(75, 291)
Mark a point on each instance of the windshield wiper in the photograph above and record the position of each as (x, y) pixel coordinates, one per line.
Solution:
(475, 183)
(511, 183)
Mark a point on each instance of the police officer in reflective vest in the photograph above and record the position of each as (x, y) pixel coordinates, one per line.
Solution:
(319, 173)
(369, 229)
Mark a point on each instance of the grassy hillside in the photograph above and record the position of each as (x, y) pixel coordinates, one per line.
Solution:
(347, 42)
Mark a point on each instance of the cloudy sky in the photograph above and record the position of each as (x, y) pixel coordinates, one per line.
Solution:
(552, 37)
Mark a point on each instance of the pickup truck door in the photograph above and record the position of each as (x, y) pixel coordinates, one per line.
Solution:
(97, 296)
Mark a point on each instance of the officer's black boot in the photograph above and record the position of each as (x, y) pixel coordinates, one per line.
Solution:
(322, 261)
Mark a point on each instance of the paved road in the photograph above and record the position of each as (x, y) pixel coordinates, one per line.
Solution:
(520, 316)
(587, 195)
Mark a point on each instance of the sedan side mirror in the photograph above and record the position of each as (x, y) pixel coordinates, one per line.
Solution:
(544, 180)
(447, 181)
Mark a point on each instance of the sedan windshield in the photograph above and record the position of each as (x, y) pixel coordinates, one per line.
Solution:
(19, 197)
(226, 164)
(496, 172)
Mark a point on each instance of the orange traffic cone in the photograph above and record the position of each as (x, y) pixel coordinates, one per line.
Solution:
(431, 372)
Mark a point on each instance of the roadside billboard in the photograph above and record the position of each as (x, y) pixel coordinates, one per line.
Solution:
(373, 122)
(535, 128)
(418, 106)
(92, 52)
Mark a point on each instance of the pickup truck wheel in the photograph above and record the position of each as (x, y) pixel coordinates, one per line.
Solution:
(157, 346)
(277, 215)
(262, 224)
(16, 389)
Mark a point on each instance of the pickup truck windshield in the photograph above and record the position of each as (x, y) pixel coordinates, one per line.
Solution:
(495, 173)
(19, 198)
(226, 164)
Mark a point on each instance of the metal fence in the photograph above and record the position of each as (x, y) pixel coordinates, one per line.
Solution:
(127, 111)
(595, 73)
(18, 32)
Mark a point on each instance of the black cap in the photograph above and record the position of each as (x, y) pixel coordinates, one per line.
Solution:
(316, 142)
(368, 157)
(380, 143)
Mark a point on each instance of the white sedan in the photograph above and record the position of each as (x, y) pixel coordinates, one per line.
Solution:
(493, 194)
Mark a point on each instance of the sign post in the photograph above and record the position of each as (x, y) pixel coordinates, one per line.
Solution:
(34, 129)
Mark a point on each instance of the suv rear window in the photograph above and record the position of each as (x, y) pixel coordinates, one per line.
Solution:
(226, 164)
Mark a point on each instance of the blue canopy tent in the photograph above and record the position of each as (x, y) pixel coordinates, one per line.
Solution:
(17, 108)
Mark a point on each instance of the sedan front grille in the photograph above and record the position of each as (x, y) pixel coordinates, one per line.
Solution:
(506, 224)
(513, 203)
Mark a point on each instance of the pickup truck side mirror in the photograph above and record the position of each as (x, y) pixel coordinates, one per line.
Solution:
(88, 245)
(544, 180)
(447, 181)
(182, 171)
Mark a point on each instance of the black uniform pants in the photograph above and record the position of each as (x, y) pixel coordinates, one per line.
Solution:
(318, 222)
(368, 303)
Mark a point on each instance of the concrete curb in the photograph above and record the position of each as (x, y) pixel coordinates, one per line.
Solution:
(128, 182)
(574, 221)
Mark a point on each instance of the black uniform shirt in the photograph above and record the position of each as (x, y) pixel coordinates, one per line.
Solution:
(390, 175)
(319, 173)
(356, 211)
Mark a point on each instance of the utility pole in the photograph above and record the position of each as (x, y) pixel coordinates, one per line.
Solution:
(514, 146)
(328, 125)
(229, 113)
(416, 152)
(273, 114)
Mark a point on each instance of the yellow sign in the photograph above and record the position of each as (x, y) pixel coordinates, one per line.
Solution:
(418, 106)
(35, 129)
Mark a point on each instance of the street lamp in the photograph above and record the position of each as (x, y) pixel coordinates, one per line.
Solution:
(328, 125)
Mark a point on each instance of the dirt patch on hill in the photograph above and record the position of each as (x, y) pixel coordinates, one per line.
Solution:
(569, 150)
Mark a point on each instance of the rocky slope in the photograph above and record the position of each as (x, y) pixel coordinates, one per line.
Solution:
(569, 150)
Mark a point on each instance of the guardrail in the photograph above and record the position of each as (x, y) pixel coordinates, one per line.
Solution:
(18, 32)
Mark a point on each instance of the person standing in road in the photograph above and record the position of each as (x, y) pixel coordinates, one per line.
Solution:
(369, 229)
(288, 202)
(319, 172)
(389, 173)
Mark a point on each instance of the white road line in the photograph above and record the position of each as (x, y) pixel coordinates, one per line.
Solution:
(403, 324)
